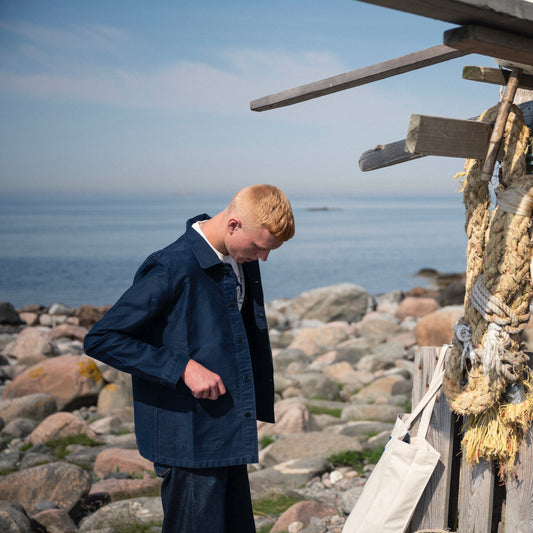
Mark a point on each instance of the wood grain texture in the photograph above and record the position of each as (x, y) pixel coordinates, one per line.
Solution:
(476, 497)
(495, 76)
(448, 137)
(355, 78)
(492, 43)
(511, 15)
(432, 509)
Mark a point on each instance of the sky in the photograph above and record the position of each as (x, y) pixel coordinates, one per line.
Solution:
(116, 96)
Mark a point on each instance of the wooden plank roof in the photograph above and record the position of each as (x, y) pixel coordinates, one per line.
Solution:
(514, 16)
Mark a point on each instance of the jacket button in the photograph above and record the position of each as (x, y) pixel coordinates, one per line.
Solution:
(248, 415)
(239, 340)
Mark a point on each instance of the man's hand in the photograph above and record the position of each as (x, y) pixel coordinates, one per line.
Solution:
(202, 382)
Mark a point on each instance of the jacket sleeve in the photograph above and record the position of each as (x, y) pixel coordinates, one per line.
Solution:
(129, 336)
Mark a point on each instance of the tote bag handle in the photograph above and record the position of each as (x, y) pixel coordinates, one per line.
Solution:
(434, 387)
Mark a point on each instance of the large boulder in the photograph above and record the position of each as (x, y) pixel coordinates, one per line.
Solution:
(55, 521)
(72, 380)
(116, 488)
(302, 512)
(9, 315)
(60, 483)
(416, 307)
(32, 345)
(59, 426)
(35, 406)
(114, 460)
(124, 514)
(292, 416)
(347, 302)
(13, 518)
(436, 328)
(88, 315)
(69, 331)
(289, 475)
(320, 339)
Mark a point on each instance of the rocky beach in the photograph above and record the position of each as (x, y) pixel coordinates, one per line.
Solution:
(343, 364)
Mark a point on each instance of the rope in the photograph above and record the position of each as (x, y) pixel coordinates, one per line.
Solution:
(487, 377)
(463, 333)
(493, 310)
(515, 200)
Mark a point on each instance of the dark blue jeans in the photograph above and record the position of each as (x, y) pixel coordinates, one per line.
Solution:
(206, 500)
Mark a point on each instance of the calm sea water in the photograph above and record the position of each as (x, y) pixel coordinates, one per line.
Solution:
(85, 249)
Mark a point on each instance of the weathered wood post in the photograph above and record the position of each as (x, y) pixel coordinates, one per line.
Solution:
(433, 509)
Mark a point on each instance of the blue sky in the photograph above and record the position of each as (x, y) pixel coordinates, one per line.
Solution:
(130, 96)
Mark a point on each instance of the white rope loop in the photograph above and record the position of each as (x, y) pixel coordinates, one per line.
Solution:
(496, 359)
(492, 309)
(463, 333)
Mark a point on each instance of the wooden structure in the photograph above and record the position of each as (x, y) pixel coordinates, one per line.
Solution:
(458, 498)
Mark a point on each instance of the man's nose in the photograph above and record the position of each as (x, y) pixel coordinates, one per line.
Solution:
(263, 255)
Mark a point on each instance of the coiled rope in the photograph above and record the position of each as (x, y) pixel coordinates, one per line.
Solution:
(487, 375)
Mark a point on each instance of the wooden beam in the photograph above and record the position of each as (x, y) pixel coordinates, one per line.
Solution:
(448, 137)
(515, 16)
(385, 155)
(495, 76)
(355, 78)
(492, 43)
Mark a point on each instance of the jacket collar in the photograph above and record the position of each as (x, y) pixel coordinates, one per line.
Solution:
(203, 252)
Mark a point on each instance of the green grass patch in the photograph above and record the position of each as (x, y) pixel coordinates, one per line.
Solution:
(139, 528)
(274, 504)
(356, 459)
(266, 440)
(319, 410)
(59, 446)
(26, 447)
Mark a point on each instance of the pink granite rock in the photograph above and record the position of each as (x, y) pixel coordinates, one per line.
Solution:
(436, 328)
(302, 512)
(60, 425)
(416, 307)
(72, 380)
(60, 483)
(114, 460)
(32, 345)
(118, 489)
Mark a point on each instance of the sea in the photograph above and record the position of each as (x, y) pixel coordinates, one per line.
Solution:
(85, 248)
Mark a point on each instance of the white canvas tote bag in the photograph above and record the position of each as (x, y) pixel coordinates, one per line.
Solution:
(397, 482)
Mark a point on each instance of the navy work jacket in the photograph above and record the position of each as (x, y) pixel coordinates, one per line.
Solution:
(182, 305)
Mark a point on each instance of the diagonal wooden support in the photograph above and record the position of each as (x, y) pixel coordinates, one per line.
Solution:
(499, 125)
(355, 78)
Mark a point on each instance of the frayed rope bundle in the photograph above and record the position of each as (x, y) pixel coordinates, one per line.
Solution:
(487, 376)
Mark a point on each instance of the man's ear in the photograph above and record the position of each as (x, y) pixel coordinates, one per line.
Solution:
(233, 224)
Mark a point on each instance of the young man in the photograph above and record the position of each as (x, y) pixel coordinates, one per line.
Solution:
(192, 332)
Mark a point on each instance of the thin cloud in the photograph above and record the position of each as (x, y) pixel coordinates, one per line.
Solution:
(30, 48)
(71, 66)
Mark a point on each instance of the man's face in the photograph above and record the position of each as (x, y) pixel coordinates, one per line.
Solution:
(246, 244)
